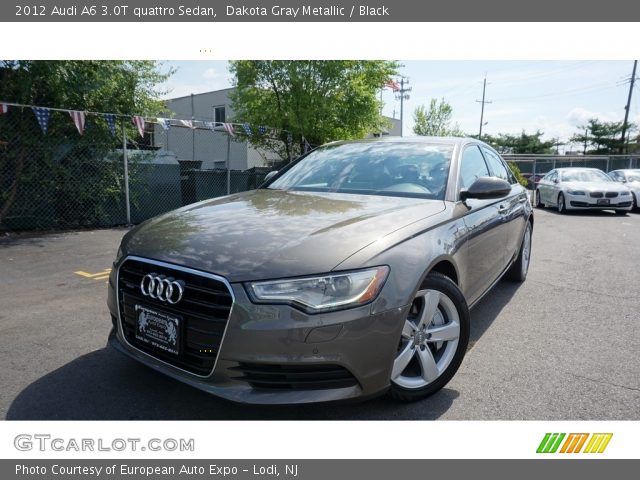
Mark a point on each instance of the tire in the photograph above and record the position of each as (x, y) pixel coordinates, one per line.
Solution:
(539, 204)
(562, 208)
(635, 201)
(621, 212)
(423, 365)
(518, 271)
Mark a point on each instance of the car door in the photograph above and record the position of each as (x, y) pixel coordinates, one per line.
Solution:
(546, 187)
(511, 208)
(485, 243)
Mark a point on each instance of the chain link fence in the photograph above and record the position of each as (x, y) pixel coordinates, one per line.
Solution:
(61, 179)
(534, 167)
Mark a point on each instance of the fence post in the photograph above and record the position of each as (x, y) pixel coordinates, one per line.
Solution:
(608, 158)
(125, 159)
(228, 164)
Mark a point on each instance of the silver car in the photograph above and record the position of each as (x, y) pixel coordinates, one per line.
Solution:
(581, 189)
(631, 178)
(349, 273)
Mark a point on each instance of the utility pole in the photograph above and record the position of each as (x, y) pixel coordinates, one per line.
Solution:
(632, 80)
(483, 101)
(586, 133)
(402, 95)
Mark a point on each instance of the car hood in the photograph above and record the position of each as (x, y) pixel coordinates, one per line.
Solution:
(596, 186)
(266, 233)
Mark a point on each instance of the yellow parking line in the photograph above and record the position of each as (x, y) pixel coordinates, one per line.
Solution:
(93, 275)
(102, 277)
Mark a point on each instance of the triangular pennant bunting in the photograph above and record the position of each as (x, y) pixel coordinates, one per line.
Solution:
(42, 115)
(247, 129)
(210, 125)
(187, 123)
(78, 119)
(289, 138)
(165, 122)
(139, 123)
(4, 108)
(262, 129)
(111, 122)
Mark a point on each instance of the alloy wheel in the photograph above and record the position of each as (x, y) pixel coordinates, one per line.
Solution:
(429, 340)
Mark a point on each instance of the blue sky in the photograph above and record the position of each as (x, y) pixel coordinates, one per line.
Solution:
(553, 96)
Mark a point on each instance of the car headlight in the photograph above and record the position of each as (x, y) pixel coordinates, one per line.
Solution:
(118, 255)
(322, 293)
(625, 193)
(575, 192)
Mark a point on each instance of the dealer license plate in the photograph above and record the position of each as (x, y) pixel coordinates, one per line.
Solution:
(158, 329)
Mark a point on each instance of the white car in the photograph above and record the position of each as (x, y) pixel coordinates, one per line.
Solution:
(631, 179)
(581, 189)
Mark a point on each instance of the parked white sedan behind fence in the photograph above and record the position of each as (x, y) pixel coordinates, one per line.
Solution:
(582, 188)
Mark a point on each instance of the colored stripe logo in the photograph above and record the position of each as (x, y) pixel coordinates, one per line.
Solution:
(574, 443)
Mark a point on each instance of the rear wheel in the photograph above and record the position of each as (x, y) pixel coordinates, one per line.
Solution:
(518, 271)
(562, 208)
(433, 342)
(539, 204)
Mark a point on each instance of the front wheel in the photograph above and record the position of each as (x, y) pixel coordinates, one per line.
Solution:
(539, 203)
(562, 208)
(433, 342)
(621, 212)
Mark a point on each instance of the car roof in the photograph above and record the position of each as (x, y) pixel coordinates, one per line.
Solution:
(416, 139)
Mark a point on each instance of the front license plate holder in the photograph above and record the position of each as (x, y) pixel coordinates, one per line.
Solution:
(603, 201)
(158, 329)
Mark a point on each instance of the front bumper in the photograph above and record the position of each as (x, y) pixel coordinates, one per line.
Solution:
(581, 202)
(286, 346)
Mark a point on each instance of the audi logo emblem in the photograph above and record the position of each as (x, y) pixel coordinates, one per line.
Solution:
(159, 287)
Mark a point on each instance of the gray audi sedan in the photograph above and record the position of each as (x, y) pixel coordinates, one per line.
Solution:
(349, 273)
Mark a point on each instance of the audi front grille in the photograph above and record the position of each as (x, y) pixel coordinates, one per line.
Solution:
(204, 310)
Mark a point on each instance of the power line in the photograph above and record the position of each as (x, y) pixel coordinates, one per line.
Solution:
(402, 95)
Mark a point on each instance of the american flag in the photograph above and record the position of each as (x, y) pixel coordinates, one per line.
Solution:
(228, 127)
(165, 122)
(4, 108)
(42, 115)
(111, 122)
(262, 129)
(187, 123)
(393, 85)
(139, 123)
(78, 119)
(247, 129)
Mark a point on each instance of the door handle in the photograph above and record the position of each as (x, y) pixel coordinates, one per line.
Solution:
(502, 209)
(522, 200)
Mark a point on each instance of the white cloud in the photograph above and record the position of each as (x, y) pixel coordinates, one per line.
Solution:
(212, 74)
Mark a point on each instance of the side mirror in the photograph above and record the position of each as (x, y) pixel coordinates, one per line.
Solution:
(270, 175)
(555, 180)
(486, 188)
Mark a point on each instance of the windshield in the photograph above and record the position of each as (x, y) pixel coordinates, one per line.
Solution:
(418, 170)
(585, 176)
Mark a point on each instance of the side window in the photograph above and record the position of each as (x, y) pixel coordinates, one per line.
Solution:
(472, 167)
(553, 177)
(496, 165)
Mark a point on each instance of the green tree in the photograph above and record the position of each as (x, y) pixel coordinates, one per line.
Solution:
(435, 120)
(125, 87)
(601, 137)
(521, 144)
(317, 100)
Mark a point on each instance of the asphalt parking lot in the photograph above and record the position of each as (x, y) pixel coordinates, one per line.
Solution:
(562, 346)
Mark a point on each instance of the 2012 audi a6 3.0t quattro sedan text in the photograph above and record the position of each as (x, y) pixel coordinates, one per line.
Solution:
(348, 273)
